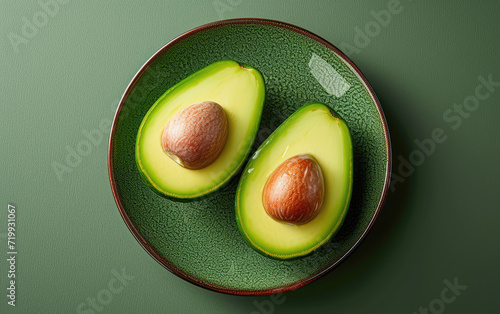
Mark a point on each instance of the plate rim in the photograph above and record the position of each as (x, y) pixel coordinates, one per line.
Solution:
(152, 251)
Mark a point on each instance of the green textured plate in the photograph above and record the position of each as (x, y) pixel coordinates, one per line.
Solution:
(200, 241)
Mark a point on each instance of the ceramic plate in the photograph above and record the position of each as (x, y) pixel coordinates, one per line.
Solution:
(199, 241)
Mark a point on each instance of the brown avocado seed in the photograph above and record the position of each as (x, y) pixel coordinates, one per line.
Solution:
(196, 135)
(294, 192)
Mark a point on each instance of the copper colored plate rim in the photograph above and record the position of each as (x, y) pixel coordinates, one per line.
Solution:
(164, 262)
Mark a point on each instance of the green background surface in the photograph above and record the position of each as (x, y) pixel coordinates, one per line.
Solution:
(439, 225)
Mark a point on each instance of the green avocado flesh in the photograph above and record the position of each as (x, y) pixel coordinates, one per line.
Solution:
(239, 90)
(312, 130)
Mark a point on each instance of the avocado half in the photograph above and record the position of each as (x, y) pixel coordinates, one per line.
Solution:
(239, 90)
(314, 130)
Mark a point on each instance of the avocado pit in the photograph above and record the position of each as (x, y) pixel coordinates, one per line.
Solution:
(294, 192)
(196, 135)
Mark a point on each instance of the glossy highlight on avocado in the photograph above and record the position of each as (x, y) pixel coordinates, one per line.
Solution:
(316, 131)
(240, 91)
